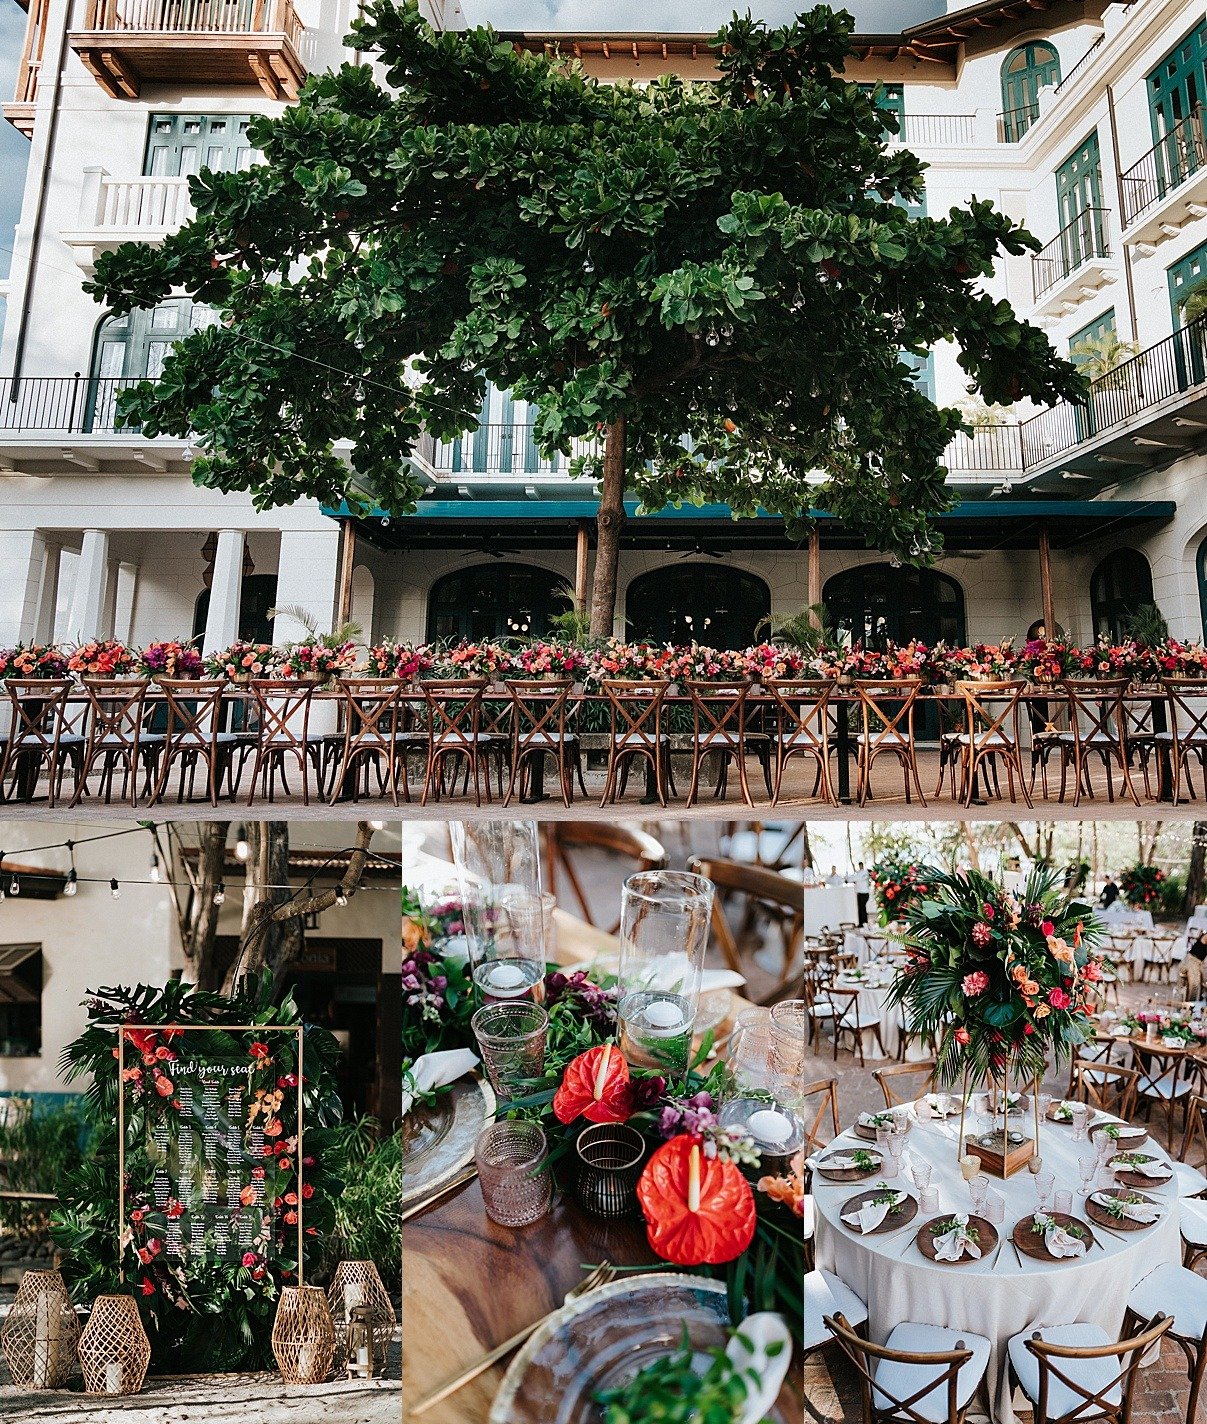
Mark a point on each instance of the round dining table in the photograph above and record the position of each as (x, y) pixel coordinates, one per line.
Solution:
(1005, 1292)
(872, 981)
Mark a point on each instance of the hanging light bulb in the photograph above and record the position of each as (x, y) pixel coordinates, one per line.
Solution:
(220, 894)
(14, 887)
(73, 883)
(154, 868)
(377, 825)
(1, 874)
(114, 888)
(242, 847)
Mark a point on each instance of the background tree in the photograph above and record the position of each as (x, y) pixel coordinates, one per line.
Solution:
(720, 279)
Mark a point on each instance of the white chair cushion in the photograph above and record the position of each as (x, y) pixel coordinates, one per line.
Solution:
(1173, 1290)
(810, 1218)
(1093, 1374)
(1189, 1179)
(1192, 1220)
(903, 1381)
(826, 1295)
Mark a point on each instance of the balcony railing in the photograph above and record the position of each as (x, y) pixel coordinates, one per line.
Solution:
(72, 405)
(196, 17)
(1071, 248)
(1012, 124)
(936, 130)
(132, 203)
(1181, 153)
(992, 448)
(1080, 65)
(503, 450)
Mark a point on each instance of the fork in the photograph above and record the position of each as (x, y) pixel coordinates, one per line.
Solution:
(600, 1276)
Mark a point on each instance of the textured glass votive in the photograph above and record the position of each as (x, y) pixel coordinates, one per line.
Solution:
(788, 1039)
(511, 1039)
(516, 1181)
(610, 1157)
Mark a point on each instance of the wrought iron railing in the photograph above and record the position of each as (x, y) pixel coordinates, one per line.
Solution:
(1080, 65)
(936, 130)
(1012, 124)
(993, 448)
(1173, 159)
(74, 405)
(503, 449)
(1072, 247)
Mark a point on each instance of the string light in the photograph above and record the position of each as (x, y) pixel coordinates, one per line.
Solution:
(1, 875)
(114, 888)
(242, 847)
(340, 898)
(14, 888)
(220, 894)
(73, 879)
(155, 876)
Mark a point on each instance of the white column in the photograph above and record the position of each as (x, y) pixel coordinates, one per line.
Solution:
(48, 595)
(91, 586)
(307, 577)
(226, 592)
(23, 555)
(126, 586)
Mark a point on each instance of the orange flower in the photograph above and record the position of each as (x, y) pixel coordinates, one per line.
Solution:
(248, 1196)
(272, 1128)
(698, 1210)
(789, 1190)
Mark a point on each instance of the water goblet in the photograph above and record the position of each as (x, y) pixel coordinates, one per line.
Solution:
(942, 1104)
(1081, 1123)
(921, 1173)
(994, 1208)
(1086, 1168)
(1044, 1184)
(977, 1188)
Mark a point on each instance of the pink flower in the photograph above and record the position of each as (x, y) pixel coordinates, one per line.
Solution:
(975, 983)
(249, 1258)
(1059, 999)
(987, 910)
(1047, 929)
(963, 1037)
(981, 935)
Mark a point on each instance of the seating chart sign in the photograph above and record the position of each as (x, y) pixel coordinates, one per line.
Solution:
(210, 1131)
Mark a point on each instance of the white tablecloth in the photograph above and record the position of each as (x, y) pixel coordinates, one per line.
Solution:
(997, 1298)
(1121, 916)
(827, 907)
(873, 1003)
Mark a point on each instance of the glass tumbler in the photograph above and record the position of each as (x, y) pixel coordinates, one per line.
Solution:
(511, 1040)
(610, 1157)
(513, 1170)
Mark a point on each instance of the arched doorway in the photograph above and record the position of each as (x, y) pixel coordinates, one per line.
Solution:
(877, 603)
(1025, 71)
(494, 601)
(705, 603)
(1121, 584)
(1201, 569)
(258, 595)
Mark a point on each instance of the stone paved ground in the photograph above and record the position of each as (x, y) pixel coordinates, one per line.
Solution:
(831, 1386)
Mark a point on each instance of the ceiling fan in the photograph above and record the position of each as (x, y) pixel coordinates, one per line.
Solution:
(699, 551)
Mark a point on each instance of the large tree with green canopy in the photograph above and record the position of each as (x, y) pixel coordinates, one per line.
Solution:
(718, 278)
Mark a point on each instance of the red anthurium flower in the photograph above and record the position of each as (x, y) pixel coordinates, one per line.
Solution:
(142, 1038)
(258, 1050)
(699, 1211)
(148, 1287)
(595, 1086)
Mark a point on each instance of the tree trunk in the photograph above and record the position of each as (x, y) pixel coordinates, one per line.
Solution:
(609, 521)
(199, 922)
(266, 942)
(1195, 870)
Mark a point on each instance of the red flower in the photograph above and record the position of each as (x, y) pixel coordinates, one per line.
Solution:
(144, 1256)
(143, 1039)
(291, 1218)
(1047, 929)
(975, 983)
(987, 911)
(258, 1050)
(137, 1215)
(1058, 999)
(1028, 1028)
(148, 1287)
(963, 1037)
(307, 1192)
(595, 1086)
(249, 1258)
(258, 1173)
(175, 1211)
(698, 1210)
(163, 1086)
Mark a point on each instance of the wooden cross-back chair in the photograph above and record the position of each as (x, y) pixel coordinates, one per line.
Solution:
(1107, 1086)
(819, 1101)
(1186, 703)
(1096, 729)
(195, 736)
(538, 729)
(1193, 1151)
(719, 730)
(41, 734)
(372, 714)
(803, 725)
(990, 737)
(454, 718)
(1090, 1394)
(919, 1078)
(900, 1386)
(636, 848)
(767, 893)
(1166, 1076)
(886, 712)
(635, 733)
(283, 734)
(117, 737)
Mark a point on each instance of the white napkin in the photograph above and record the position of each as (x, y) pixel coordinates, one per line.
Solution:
(1064, 1110)
(752, 1349)
(435, 1070)
(872, 1213)
(954, 1243)
(932, 1102)
(875, 1120)
(1157, 1170)
(1136, 1211)
(841, 1161)
(1059, 1241)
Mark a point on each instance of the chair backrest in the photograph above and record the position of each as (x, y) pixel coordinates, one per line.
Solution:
(819, 1101)
(538, 708)
(991, 713)
(117, 707)
(39, 708)
(942, 1374)
(1096, 711)
(803, 709)
(638, 848)
(454, 710)
(194, 711)
(887, 713)
(371, 711)
(718, 711)
(914, 1078)
(1160, 1067)
(781, 898)
(1194, 1138)
(1104, 1085)
(1186, 701)
(1057, 1362)
(282, 712)
(634, 709)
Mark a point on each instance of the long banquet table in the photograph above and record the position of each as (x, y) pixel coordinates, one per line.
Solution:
(1003, 1295)
(469, 1284)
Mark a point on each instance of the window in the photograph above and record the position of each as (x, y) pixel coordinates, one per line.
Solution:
(1025, 71)
(876, 603)
(1122, 583)
(1102, 328)
(20, 1000)
(1079, 204)
(257, 599)
(182, 144)
(923, 368)
(1201, 565)
(706, 603)
(1185, 278)
(129, 348)
(1178, 85)
(494, 601)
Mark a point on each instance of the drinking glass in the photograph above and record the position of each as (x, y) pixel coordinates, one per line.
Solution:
(511, 1039)
(921, 1173)
(513, 1171)
(788, 1037)
(1104, 1147)
(609, 1163)
(1044, 1183)
(942, 1104)
(1062, 1201)
(1081, 1118)
(928, 1199)
(970, 1165)
(664, 928)
(504, 911)
(1086, 1168)
(976, 1191)
(1104, 1179)
(749, 1050)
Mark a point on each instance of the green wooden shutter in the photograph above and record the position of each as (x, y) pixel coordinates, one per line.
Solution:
(1025, 71)
(182, 144)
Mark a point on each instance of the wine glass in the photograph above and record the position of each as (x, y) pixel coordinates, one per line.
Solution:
(1045, 1182)
(921, 1172)
(977, 1188)
(1081, 1122)
(1086, 1168)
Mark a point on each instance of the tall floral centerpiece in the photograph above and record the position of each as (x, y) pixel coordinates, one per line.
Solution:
(899, 885)
(1143, 886)
(998, 979)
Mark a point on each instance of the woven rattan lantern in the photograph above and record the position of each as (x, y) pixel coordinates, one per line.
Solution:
(303, 1335)
(40, 1339)
(358, 1283)
(114, 1349)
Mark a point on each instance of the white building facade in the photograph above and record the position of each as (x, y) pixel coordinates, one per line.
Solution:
(1082, 119)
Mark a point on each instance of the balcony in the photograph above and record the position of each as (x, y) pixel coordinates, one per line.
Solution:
(1012, 124)
(1073, 267)
(936, 131)
(117, 210)
(500, 456)
(20, 112)
(1168, 187)
(127, 43)
(984, 456)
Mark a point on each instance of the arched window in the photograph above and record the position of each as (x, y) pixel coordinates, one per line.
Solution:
(877, 603)
(1025, 71)
(131, 347)
(494, 601)
(1120, 584)
(1201, 566)
(707, 603)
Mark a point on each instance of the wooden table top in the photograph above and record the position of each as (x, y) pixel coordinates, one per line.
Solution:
(468, 1284)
